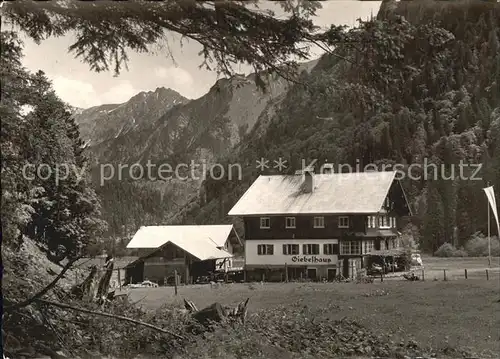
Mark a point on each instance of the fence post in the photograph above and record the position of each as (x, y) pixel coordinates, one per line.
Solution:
(286, 273)
(465, 273)
(444, 274)
(381, 277)
(175, 281)
(487, 275)
(423, 274)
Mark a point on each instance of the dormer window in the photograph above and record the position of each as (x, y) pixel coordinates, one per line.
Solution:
(290, 222)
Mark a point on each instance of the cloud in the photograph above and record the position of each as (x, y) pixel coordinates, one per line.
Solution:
(83, 94)
(76, 93)
(176, 78)
(119, 93)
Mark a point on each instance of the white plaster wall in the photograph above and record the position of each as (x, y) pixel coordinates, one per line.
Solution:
(278, 258)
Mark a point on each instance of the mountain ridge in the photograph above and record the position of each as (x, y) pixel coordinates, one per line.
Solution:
(101, 123)
(189, 131)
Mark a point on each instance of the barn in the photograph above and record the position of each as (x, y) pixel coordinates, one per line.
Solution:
(192, 251)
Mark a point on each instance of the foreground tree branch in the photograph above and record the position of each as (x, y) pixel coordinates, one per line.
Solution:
(230, 32)
(43, 291)
(107, 315)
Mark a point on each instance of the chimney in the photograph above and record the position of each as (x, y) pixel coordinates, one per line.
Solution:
(308, 183)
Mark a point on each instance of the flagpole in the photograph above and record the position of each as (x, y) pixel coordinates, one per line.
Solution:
(489, 234)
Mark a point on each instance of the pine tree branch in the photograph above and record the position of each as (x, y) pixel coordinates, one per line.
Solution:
(229, 32)
(107, 315)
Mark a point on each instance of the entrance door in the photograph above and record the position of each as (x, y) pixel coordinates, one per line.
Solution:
(331, 274)
(345, 268)
(311, 273)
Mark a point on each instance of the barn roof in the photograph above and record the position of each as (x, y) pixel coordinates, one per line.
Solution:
(202, 241)
(333, 193)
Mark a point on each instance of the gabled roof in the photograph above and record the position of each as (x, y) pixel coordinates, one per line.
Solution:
(203, 242)
(333, 193)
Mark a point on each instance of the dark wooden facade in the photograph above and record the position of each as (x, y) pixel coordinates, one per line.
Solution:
(161, 265)
(304, 223)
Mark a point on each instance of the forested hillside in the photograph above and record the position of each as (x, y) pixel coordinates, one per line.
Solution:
(419, 84)
(192, 132)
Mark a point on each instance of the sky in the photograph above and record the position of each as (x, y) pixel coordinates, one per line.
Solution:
(77, 85)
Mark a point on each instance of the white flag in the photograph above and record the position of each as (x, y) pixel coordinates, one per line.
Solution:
(490, 193)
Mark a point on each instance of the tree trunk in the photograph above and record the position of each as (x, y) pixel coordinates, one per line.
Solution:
(84, 289)
(103, 288)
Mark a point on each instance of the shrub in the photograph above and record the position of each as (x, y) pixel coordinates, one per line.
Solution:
(446, 250)
(477, 246)
(461, 252)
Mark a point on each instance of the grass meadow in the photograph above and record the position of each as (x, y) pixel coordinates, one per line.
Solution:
(443, 317)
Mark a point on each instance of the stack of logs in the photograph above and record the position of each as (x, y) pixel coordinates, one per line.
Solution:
(217, 313)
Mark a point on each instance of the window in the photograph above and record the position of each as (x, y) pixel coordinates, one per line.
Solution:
(171, 252)
(290, 222)
(384, 222)
(350, 247)
(394, 222)
(368, 246)
(372, 222)
(387, 202)
(319, 222)
(395, 243)
(380, 224)
(343, 222)
(265, 222)
(290, 249)
(369, 221)
(330, 248)
(310, 249)
(265, 249)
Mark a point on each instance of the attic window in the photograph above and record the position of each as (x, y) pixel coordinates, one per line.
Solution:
(344, 222)
(265, 222)
(319, 222)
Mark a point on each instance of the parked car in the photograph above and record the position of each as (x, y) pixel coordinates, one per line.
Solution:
(145, 284)
(416, 260)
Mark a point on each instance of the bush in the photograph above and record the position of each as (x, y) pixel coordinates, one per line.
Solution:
(477, 246)
(448, 250)
(461, 253)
